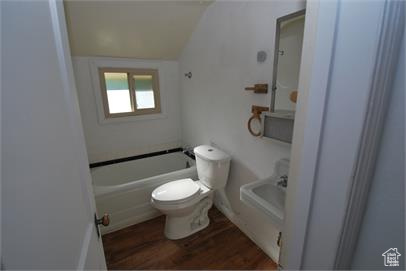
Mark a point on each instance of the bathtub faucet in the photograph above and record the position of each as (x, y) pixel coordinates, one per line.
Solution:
(188, 150)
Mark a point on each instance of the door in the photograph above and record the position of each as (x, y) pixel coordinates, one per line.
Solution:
(47, 200)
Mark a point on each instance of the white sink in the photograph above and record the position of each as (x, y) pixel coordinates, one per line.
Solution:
(265, 196)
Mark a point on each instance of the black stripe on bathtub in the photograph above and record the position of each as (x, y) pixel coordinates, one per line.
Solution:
(136, 157)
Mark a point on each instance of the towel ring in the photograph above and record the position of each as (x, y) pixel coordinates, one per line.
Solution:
(253, 117)
(256, 114)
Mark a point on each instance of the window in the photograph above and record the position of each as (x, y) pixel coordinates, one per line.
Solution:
(129, 92)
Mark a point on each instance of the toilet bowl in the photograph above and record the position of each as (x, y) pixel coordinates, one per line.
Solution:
(186, 202)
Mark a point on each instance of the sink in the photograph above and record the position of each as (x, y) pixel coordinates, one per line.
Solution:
(265, 196)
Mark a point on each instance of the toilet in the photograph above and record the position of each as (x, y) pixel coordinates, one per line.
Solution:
(186, 202)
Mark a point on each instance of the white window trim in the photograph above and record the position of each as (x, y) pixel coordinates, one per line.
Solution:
(96, 63)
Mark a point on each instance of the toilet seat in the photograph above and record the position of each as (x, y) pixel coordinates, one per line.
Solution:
(176, 192)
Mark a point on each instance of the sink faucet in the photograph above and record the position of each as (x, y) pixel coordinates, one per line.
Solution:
(283, 181)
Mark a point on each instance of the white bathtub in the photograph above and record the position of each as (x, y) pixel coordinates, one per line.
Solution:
(123, 190)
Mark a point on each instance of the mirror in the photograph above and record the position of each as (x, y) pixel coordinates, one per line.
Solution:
(287, 57)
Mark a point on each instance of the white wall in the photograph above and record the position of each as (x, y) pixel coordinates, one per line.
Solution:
(136, 135)
(221, 54)
(384, 221)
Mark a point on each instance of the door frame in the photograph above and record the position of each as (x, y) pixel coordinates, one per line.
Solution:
(60, 33)
(307, 133)
(316, 68)
(392, 28)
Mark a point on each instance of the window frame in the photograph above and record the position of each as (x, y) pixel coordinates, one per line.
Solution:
(131, 88)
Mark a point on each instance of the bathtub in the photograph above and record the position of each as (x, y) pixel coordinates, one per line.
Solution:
(123, 190)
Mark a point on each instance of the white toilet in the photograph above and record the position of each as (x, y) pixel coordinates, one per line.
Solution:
(186, 202)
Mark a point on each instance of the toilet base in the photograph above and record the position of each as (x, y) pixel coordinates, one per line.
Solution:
(177, 227)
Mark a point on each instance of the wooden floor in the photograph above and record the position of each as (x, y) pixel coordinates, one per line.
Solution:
(220, 246)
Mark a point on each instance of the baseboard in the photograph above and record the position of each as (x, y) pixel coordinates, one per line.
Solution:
(236, 220)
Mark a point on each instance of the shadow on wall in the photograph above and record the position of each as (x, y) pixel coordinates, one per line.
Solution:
(245, 216)
(240, 174)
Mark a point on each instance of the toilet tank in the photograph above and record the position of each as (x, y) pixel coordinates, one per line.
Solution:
(212, 166)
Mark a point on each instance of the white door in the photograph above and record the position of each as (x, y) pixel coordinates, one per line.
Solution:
(47, 200)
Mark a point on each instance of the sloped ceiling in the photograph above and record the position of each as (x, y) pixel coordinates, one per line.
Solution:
(137, 29)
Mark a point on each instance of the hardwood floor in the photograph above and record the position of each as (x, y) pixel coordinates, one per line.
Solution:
(220, 246)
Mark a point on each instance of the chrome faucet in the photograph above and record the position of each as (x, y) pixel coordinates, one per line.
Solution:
(283, 181)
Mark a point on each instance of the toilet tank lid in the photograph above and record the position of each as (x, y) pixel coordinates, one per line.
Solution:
(210, 153)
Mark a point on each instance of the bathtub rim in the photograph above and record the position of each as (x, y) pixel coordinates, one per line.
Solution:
(140, 156)
(105, 190)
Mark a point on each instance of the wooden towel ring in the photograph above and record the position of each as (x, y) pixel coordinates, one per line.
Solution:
(256, 114)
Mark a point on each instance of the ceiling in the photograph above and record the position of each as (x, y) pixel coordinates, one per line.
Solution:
(134, 29)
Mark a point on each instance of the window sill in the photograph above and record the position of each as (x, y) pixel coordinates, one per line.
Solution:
(105, 121)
